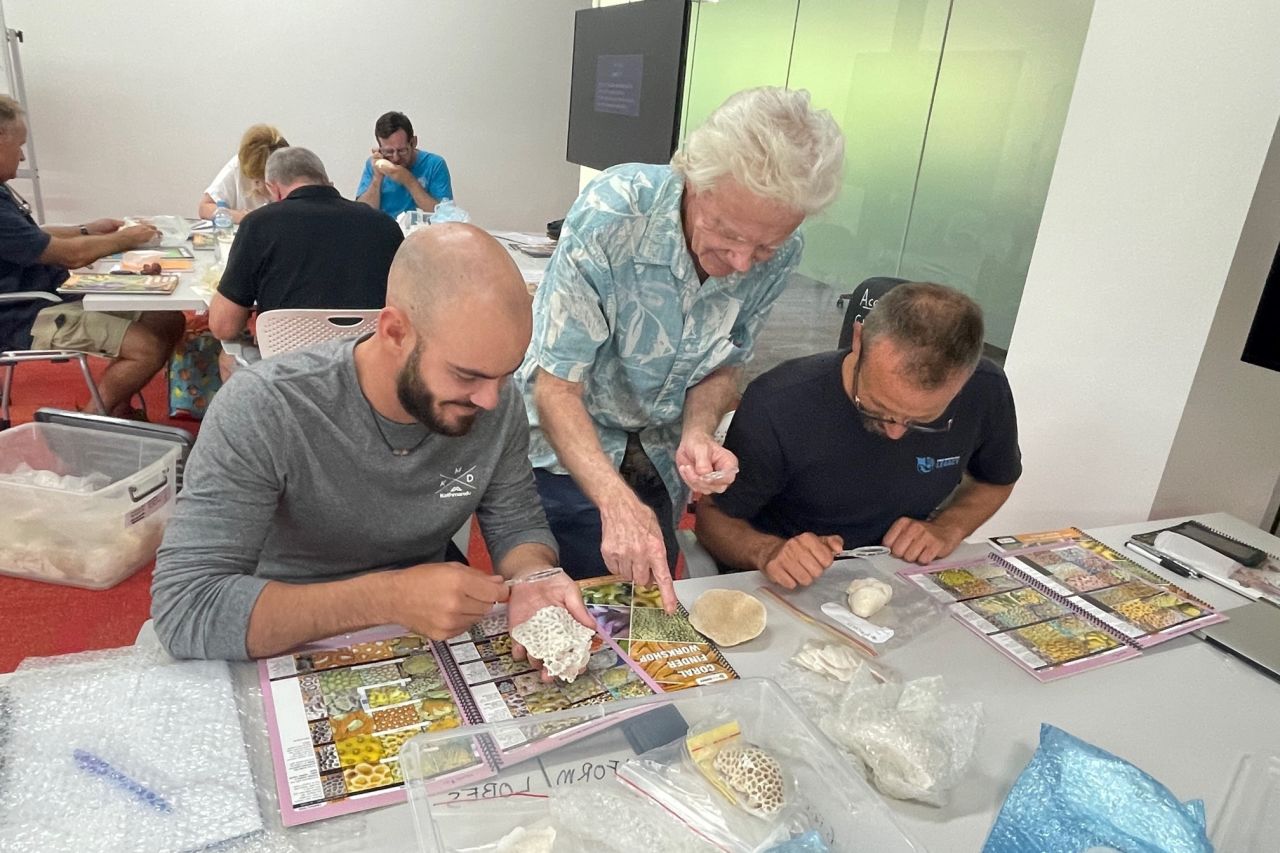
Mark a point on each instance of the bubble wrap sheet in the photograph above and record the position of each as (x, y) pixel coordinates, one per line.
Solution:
(915, 744)
(1073, 796)
(121, 751)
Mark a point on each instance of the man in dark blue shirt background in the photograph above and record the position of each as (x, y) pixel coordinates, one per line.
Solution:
(908, 439)
(35, 259)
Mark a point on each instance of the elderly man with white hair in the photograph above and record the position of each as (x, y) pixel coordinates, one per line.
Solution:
(652, 303)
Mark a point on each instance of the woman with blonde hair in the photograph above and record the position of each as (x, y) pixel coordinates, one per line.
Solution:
(240, 183)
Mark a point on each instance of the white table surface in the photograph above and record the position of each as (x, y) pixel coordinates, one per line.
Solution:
(187, 296)
(1184, 712)
(190, 297)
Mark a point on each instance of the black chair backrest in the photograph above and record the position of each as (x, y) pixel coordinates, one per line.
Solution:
(863, 298)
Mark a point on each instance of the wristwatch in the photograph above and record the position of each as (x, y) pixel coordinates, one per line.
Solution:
(84, 230)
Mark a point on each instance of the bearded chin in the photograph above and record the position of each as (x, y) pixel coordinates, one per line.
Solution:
(417, 400)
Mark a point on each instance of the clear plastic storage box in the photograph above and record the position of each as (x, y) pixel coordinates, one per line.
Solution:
(82, 507)
(618, 777)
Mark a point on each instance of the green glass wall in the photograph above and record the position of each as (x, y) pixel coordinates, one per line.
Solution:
(952, 111)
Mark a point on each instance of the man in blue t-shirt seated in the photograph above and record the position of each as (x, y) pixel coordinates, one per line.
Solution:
(908, 439)
(36, 260)
(398, 176)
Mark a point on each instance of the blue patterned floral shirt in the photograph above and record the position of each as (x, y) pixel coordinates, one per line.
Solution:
(621, 311)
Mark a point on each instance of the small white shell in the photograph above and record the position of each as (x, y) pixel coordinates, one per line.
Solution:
(867, 595)
(832, 660)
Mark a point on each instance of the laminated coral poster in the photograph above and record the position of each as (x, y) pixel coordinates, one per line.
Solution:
(339, 710)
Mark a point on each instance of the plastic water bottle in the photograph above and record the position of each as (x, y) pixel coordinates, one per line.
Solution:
(223, 233)
(222, 218)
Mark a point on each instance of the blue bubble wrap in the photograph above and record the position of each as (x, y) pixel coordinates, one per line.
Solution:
(1073, 796)
(809, 842)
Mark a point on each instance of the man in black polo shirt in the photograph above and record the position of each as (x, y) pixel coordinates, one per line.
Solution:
(868, 445)
(312, 249)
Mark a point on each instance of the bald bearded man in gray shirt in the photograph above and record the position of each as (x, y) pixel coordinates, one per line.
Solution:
(325, 485)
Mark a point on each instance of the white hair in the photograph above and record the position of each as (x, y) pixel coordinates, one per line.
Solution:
(772, 142)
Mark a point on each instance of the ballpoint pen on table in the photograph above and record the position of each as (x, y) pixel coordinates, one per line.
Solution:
(863, 551)
(1164, 562)
(97, 766)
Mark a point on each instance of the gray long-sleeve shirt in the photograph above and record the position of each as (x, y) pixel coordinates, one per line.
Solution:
(291, 481)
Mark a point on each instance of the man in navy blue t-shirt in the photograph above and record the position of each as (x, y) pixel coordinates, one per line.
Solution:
(35, 260)
(869, 445)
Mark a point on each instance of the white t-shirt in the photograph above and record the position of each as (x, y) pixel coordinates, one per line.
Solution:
(235, 189)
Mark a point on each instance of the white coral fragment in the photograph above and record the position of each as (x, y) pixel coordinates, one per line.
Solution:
(728, 616)
(522, 840)
(755, 774)
(554, 637)
(867, 595)
(833, 660)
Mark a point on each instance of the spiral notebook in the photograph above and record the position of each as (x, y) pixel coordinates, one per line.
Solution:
(1064, 607)
(137, 285)
(339, 710)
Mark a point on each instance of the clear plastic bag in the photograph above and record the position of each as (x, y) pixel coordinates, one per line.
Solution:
(915, 745)
(174, 230)
(635, 824)
(447, 211)
(909, 612)
(720, 795)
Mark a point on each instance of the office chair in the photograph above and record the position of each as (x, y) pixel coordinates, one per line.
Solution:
(861, 300)
(288, 329)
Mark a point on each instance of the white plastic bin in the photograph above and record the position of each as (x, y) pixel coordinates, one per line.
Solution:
(830, 796)
(93, 532)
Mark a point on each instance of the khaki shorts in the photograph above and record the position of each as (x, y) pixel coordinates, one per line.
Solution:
(69, 326)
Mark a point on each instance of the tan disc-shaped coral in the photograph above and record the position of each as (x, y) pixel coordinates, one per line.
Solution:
(727, 616)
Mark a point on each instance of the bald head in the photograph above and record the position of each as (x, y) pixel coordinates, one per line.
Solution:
(456, 272)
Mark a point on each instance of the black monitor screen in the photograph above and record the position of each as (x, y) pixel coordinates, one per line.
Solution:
(1263, 344)
(628, 66)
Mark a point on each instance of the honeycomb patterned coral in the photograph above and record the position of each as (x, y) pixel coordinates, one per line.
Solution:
(754, 773)
(554, 637)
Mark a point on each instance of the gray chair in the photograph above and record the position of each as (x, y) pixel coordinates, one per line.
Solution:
(10, 359)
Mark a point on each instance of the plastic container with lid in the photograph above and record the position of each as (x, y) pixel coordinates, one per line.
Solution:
(494, 808)
(82, 507)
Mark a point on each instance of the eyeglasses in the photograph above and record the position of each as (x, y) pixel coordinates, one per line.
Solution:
(909, 426)
(394, 152)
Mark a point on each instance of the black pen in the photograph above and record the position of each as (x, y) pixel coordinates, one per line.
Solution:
(1165, 563)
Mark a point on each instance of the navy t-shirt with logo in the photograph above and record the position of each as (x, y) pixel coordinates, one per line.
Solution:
(21, 245)
(807, 463)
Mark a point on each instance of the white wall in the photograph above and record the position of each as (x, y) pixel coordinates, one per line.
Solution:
(136, 105)
(1226, 454)
(1174, 109)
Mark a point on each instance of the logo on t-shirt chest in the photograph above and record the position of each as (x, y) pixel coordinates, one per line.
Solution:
(459, 484)
(927, 464)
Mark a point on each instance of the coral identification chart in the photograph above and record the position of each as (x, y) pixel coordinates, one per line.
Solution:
(338, 711)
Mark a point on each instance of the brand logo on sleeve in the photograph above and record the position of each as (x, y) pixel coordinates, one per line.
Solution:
(459, 484)
(927, 464)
